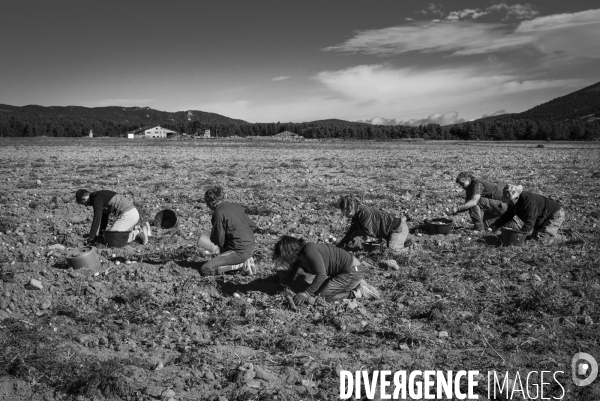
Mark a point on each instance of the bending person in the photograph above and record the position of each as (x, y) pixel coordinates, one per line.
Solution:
(483, 201)
(231, 240)
(542, 217)
(106, 203)
(368, 221)
(337, 272)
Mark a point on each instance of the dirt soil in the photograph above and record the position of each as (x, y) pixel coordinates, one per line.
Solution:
(147, 326)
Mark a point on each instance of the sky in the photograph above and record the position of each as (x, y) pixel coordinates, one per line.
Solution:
(383, 62)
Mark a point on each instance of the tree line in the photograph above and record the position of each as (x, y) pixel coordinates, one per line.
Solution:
(508, 128)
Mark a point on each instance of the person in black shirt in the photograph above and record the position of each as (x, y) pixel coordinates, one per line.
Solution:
(483, 201)
(368, 221)
(231, 239)
(337, 272)
(106, 203)
(542, 217)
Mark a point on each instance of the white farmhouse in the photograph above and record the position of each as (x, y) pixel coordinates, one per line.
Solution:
(157, 132)
(288, 136)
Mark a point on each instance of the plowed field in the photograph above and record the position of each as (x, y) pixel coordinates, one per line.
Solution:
(148, 326)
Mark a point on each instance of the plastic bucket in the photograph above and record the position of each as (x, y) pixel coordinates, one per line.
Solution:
(511, 237)
(116, 239)
(165, 219)
(440, 226)
(85, 257)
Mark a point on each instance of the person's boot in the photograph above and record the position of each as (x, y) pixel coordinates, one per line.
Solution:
(367, 290)
(249, 267)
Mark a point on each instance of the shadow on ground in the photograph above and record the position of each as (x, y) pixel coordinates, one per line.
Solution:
(268, 285)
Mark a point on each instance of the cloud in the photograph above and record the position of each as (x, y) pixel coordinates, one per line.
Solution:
(468, 13)
(516, 11)
(382, 83)
(379, 121)
(281, 78)
(435, 9)
(406, 92)
(455, 37)
(575, 34)
(447, 118)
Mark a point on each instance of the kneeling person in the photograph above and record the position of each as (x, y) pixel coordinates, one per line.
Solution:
(107, 202)
(542, 217)
(368, 221)
(337, 272)
(483, 201)
(231, 239)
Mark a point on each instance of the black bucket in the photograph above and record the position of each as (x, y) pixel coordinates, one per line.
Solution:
(165, 219)
(85, 257)
(511, 237)
(440, 226)
(116, 239)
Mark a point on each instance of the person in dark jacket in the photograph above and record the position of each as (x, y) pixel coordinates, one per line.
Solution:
(372, 222)
(106, 203)
(483, 201)
(231, 239)
(542, 217)
(337, 272)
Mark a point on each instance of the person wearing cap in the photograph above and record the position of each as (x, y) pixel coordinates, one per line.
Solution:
(542, 217)
(231, 240)
(338, 274)
(372, 222)
(483, 201)
(106, 203)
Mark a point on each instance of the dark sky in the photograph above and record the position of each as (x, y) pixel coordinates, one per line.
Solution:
(383, 61)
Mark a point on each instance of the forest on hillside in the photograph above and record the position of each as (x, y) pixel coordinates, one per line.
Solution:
(30, 125)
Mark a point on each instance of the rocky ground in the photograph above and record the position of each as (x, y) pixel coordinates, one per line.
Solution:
(146, 326)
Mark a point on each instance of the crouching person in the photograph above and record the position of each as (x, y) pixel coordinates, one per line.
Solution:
(231, 240)
(337, 273)
(483, 201)
(105, 203)
(542, 217)
(368, 221)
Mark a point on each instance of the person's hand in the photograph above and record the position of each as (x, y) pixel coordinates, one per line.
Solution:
(300, 298)
(454, 210)
(489, 229)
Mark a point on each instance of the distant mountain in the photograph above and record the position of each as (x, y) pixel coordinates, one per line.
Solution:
(335, 121)
(583, 105)
(123, 115)
(573, 117)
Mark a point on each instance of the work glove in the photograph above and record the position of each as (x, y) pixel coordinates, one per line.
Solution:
(300, 298)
